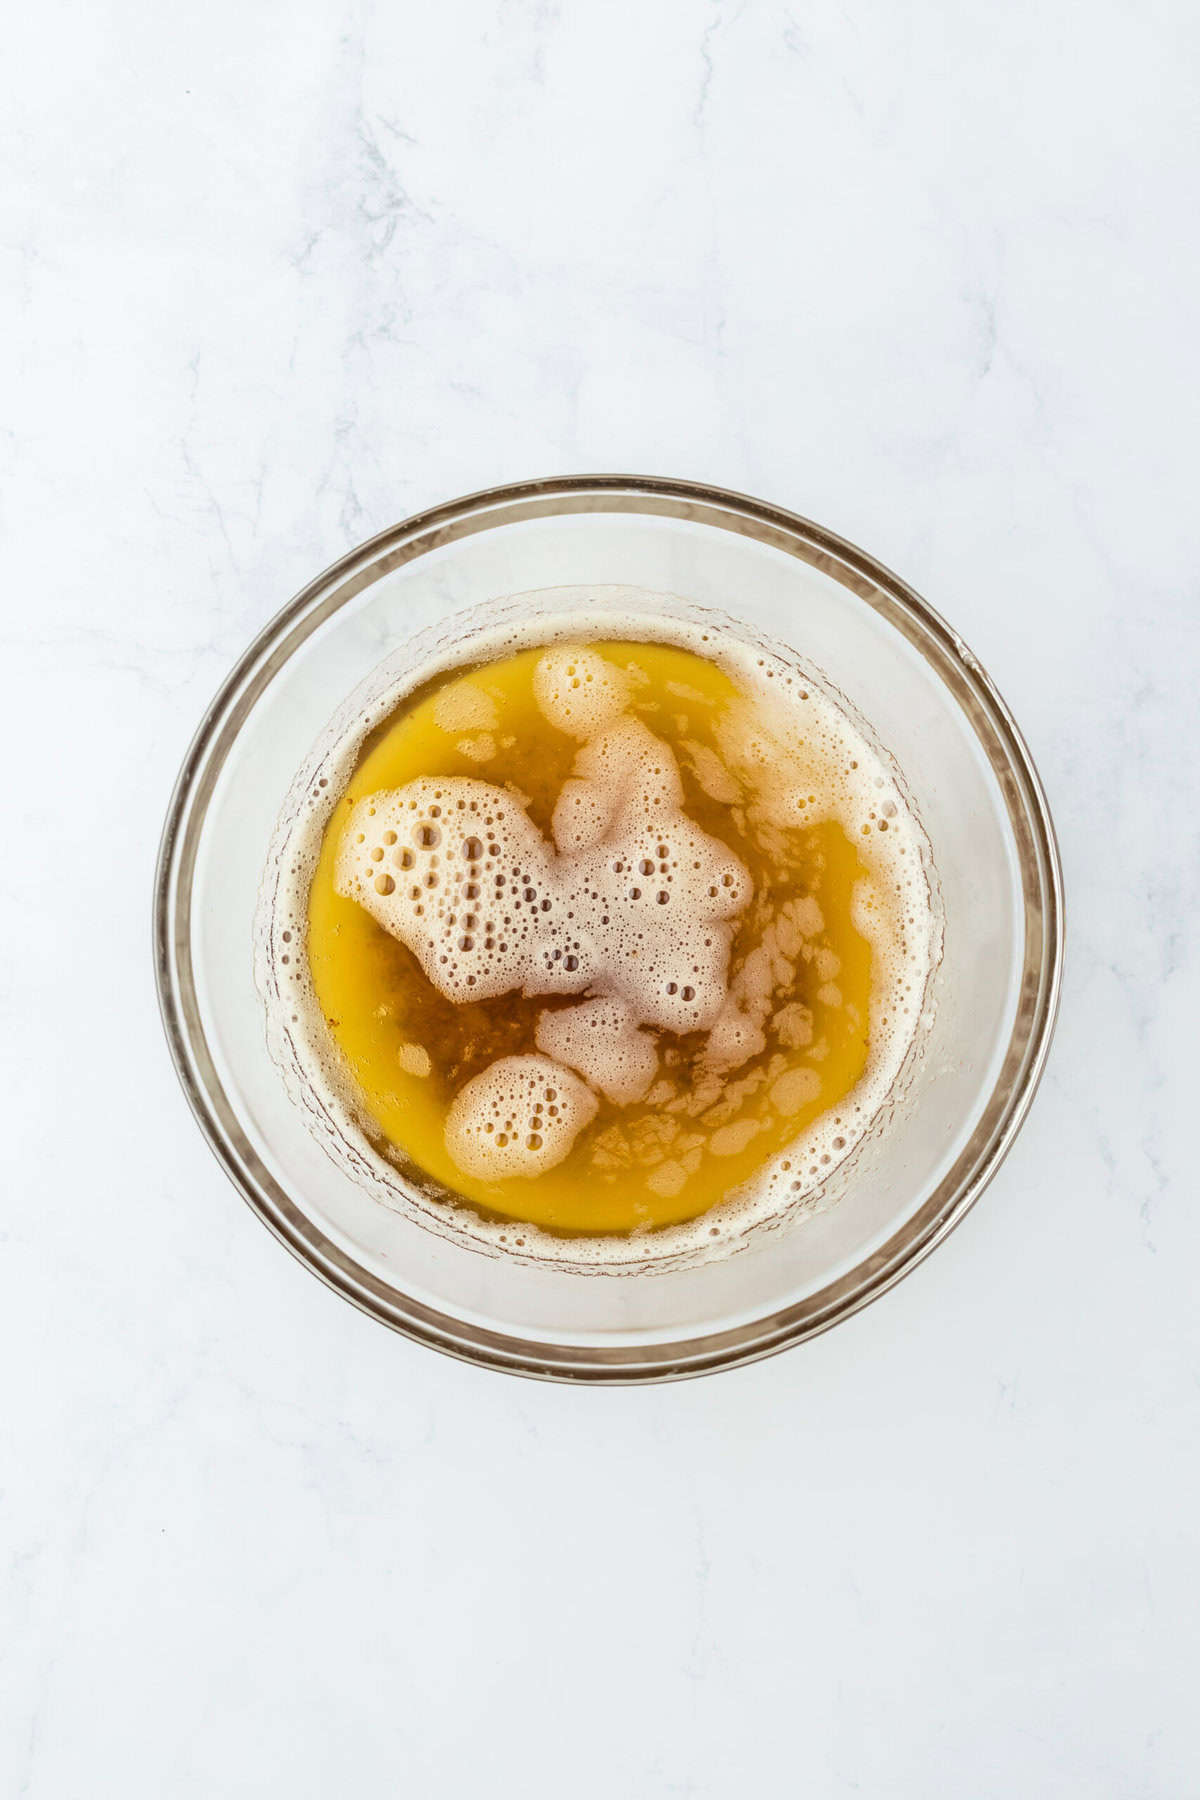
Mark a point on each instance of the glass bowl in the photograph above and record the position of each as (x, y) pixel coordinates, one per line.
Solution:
(993, 996)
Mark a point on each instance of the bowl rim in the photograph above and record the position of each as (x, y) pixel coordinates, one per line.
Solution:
(1029, 817)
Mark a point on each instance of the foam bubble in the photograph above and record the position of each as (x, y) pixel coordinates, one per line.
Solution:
(461, 706)
(600, 1038)
(455, 869)
(581, 815)
(479, 749)
(768, 970)
(736, 1035)
(415, 1059)
(634, 768)
(519, 1117)
(578, 691)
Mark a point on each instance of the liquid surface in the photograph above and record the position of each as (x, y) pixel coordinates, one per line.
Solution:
(669, 1110)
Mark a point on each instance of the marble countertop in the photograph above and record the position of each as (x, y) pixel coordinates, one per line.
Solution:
(275, 277)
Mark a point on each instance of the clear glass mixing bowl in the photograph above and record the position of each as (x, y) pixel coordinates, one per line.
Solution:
(927, 700)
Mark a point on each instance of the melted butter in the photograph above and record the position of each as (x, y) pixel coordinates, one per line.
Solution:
(697, 1136)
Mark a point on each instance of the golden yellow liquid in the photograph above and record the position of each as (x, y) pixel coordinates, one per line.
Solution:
(379, 1004)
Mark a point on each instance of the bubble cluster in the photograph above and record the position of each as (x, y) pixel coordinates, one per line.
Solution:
(579, 691)
(739, 1030)
(633, 900)
(461, 706)
(796, 759)
(600, 1038)
(455, 869)
(519, 1117)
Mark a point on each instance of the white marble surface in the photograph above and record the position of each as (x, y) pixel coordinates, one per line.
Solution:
(275, 276)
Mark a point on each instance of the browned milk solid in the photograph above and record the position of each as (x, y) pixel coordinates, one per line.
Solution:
(662, 1013)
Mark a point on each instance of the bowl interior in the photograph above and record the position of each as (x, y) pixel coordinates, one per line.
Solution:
(928, 705)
